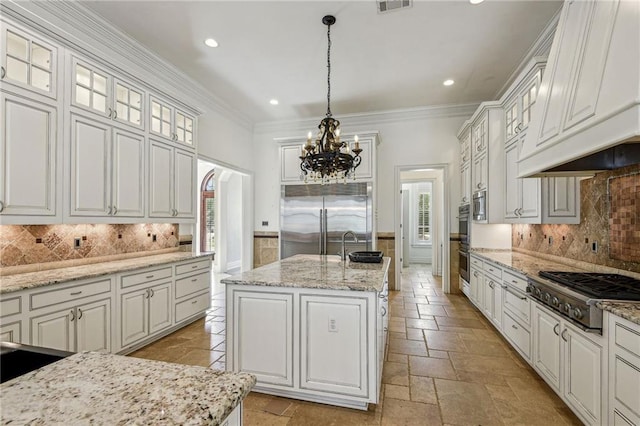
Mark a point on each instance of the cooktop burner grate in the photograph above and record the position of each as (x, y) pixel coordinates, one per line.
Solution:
(598, 285)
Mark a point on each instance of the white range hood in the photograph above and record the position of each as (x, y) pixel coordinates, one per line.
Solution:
(587, 115)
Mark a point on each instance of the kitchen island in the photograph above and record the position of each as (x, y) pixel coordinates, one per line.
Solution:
(310, 327)
(100, 388)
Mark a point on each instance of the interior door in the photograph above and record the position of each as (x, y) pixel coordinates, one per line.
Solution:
(300, 225)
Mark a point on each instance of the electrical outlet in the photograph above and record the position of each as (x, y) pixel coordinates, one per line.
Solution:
(333, 325)
(265, 223)
(76, 243)
(594, 246)
(154, 238)
(550, 240)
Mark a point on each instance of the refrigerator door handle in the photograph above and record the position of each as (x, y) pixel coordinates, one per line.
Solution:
(325, 232)
(320, 240)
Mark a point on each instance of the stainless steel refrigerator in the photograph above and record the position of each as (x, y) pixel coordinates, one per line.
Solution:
(314, 217)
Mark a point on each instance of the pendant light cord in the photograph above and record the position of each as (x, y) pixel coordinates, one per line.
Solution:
(329, 70)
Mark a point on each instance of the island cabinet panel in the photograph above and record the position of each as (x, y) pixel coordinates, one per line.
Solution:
(93, 329)
(333, 352)
(263, 335)
(53, 330)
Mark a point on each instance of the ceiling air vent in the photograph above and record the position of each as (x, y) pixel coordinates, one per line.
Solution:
(389, 5)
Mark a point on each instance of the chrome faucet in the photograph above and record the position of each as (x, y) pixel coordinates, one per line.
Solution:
(343, 255)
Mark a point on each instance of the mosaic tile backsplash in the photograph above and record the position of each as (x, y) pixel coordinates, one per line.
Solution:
(609, 217)
(30, 244)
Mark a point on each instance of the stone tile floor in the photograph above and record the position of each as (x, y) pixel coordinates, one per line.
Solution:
(446, 365)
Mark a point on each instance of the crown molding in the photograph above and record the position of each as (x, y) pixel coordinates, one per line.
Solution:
(371, 119)
(76, 27)
(540, 47)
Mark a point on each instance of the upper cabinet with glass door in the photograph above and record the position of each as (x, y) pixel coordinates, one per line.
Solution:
(108, 96)
(28, 61)
(169, 122)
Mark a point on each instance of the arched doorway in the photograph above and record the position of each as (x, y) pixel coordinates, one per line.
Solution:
(208, 212)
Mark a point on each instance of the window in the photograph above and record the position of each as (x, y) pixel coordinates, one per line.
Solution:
(208, 213)
(424, 217)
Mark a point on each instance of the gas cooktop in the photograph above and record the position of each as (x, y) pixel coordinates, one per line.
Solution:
(597, 285)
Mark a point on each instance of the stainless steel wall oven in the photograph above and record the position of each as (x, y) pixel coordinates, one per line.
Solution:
(463, 252)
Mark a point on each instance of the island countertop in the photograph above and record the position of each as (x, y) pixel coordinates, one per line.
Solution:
(100, 388)
(316, 271)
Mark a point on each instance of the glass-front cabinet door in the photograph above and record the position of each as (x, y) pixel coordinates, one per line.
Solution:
(28, 61)
(161, 119)
(90, 88)
(184, 128)
(128, 104)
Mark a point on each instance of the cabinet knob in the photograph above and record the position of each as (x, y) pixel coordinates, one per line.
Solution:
(110, 115)
(563, 335)
(115, 210)
(73, 316)
(109, 212)
(1, 206)
(79, 313)
(3, 72)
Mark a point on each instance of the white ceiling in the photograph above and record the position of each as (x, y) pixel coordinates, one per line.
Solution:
(395, 60)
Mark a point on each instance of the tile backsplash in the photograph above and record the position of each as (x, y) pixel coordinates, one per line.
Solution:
(609, 218)
(31, 244)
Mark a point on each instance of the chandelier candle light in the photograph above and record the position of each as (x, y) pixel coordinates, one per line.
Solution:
(328, 159)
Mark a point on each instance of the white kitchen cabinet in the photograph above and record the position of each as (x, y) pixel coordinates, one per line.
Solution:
(480, 135)
(532, 200)
(102, 93)
(572, 362)
(11, 331)
(263, 335)
(624, 370)
(327, 323)
(464, 136)
(382, 328)
(171, 182)
(86, 326)
(29, 61)
(476, 281)
(29, 164)
(291, 150)
(171, 123)
(492, 301)
(589, 95)
(144, 312)
(107, 170)
(480, 173)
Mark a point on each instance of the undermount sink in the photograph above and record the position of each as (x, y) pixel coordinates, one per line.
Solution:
(17, 359)
(365, 256)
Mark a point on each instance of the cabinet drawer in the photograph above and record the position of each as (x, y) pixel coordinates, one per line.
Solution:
(518, 335)
(185, 268)
(193, 284)
(10, 306)
(494, 270)
(476, 262)
(144, 277)
(191, 307)
(516, 281)
(53, 297)
(627, 339)
(517, 303)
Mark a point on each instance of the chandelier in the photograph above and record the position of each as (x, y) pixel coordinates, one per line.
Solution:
(329, 159)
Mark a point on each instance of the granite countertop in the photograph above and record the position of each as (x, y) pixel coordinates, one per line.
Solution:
(626, 310)
(99, 388)
(17, 282)
(315, 271)
(523, 263)
(531, 265)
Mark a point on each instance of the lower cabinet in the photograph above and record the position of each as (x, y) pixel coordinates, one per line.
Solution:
(144, 312)
(572, 362)
(326, 324)
(317, 345)
(624, 371)
(85, 327)
(262, 336)
(11, 331)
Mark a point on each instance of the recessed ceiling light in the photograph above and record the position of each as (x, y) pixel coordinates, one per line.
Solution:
(211, 42)
(273, 102)
(448, 82)
(475, 1)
